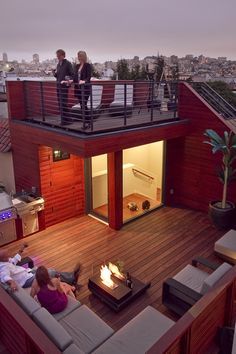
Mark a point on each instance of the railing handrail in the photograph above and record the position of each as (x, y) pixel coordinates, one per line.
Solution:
(135, 170)
(49, 103)
(226, 107)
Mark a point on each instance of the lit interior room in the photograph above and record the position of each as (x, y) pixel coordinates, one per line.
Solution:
(142, 181)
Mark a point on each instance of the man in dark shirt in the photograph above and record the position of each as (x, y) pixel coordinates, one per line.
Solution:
(63, 73)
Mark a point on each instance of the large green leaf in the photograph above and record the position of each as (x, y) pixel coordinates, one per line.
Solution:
(210, 133)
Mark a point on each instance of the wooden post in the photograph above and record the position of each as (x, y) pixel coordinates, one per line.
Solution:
(115, 189)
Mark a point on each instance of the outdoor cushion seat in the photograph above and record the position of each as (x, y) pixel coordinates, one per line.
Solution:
(225, 247)
(72, 305)
(192, 277)
(73, 349)
(210, 281)
(26, 302)
(30, 305)
(138, 335)
(86, 328)
(52, 328)
(117, 107)
(182, 291)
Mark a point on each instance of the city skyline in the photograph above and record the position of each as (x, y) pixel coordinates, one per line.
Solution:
(114, 30)
(31, 57)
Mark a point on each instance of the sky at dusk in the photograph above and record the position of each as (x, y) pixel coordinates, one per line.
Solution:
(115, 29)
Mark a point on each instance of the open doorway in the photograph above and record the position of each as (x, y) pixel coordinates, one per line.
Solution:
(142, 179)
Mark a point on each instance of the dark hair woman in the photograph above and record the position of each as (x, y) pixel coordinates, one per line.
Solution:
(82, 77)
(51, 293)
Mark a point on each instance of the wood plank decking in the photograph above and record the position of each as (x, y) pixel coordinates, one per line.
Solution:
(105, 122)
(153, 248)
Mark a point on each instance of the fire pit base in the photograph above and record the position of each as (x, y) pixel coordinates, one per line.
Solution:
(119, 297)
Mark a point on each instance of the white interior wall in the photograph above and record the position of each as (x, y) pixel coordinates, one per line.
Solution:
(99, 180)
(146, 158)
(7, 171)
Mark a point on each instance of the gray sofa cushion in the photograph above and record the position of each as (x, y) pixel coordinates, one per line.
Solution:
(73, 349)
(72, 305)
(52, 328)
(26, 302)
(226, 245)
(192, 277)
(137, 336)
(86, 328)
(214, 277)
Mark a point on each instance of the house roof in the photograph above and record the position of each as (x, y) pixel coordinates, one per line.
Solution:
(5, 141)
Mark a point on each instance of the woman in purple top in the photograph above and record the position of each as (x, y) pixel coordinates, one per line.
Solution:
(51, 293)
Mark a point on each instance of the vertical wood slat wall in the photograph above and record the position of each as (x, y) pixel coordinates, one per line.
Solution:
(190, 165)
(62, 186)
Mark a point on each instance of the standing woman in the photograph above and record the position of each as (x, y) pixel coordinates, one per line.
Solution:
(82, 78)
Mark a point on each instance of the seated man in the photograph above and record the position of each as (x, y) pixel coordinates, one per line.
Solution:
(15, 275)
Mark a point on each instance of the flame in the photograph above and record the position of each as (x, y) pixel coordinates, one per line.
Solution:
(105, 275)
(114, 269)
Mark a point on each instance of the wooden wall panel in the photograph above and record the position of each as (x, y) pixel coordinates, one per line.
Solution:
(16, 100)
(62, 186)
(115, 189)
(191, 167)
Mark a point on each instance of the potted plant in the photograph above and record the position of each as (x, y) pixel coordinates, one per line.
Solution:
(222, 213)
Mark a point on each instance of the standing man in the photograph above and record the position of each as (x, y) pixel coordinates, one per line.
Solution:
(63, 73)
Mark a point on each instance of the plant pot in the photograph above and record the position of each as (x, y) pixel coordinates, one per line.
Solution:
(222, 218)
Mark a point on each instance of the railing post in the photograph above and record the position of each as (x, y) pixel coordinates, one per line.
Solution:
(60, 100)
(83, 107)
(42, 101)
(152, 97)
(91, 104)
(125, 104)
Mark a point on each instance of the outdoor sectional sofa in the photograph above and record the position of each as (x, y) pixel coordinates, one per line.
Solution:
(78, 330)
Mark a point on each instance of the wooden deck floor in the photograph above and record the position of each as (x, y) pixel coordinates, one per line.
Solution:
(105, 122)
(153, 248)
(127, 213)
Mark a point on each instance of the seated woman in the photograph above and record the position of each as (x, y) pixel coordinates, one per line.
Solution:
(51, 293)
(82, 76)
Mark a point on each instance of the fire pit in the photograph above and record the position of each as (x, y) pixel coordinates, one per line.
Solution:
(110, 287)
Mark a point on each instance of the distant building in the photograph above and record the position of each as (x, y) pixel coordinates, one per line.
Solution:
(5, 57)
(189, 56)
(36, 58)
(222, 59)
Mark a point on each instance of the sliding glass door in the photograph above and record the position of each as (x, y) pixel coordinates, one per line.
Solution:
(97, 186)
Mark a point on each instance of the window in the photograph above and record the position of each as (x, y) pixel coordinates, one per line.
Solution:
(59, 155)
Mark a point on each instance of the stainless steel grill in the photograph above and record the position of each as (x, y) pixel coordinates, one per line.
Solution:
(8, 214)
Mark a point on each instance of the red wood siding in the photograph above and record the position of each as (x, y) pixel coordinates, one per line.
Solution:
(97, 145)
(191, 167)
(115, 189)
(62, 186)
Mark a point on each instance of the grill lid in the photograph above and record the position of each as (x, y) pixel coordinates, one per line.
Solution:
(5, 201)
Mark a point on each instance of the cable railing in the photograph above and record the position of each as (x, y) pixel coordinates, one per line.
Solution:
(224, 108)
(100, 106)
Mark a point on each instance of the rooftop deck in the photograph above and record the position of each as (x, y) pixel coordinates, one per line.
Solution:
(105, 105)
(153, 248)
